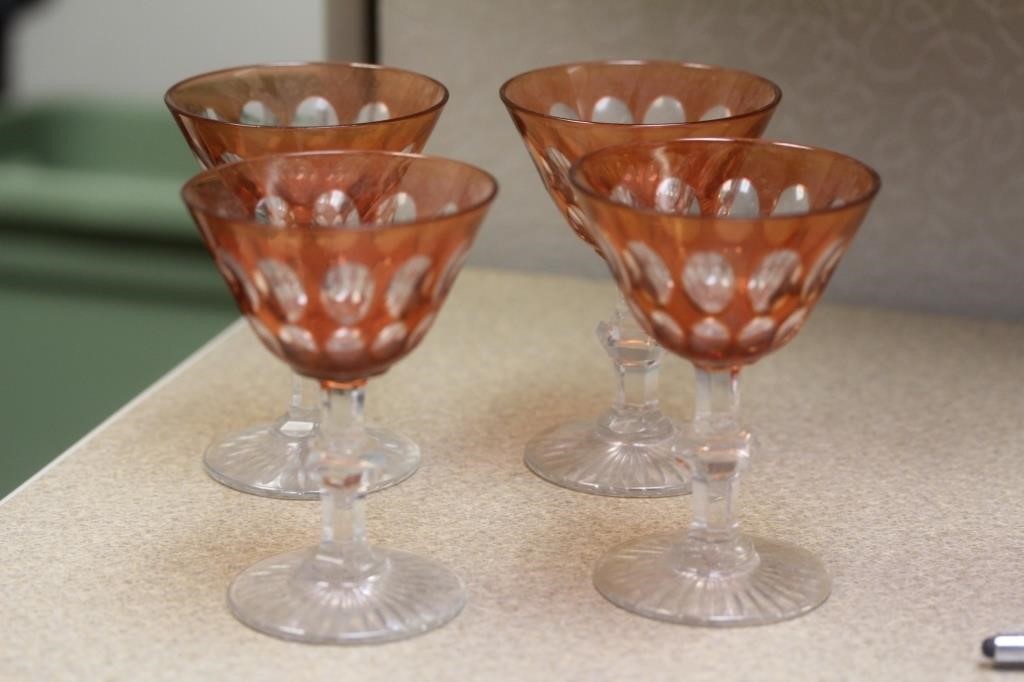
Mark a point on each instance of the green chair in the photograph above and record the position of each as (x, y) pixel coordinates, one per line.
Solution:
(104, 284)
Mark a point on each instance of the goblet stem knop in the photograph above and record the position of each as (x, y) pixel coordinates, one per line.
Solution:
(304, 399)
(636, 359)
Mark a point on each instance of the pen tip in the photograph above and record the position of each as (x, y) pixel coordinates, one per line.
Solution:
(988, 647)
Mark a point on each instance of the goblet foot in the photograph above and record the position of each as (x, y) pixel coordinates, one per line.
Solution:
(590, 458)
(287, 596)
(271, 460)
(655, 576)
(390, 458)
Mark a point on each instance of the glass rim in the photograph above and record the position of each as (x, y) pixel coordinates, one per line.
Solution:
(354, 66)
(503, 91)
(584, 188)
(190, 187)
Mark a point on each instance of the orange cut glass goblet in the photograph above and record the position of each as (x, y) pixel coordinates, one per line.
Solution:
(340, 302)
(250, 111)
(722, 248)
(563, 112)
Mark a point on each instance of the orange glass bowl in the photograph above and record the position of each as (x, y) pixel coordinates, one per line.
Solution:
(250, 111)
(722, 247)
(566, 111)
(328, 257)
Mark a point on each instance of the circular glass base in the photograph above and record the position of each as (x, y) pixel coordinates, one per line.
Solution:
(656, 577)
(287, 596)
(590, 458)
(270, 460)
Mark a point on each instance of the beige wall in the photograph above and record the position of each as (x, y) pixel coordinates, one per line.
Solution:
(930, 92)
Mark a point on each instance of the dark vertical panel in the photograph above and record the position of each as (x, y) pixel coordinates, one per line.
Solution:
(372, 32)
(351, 32)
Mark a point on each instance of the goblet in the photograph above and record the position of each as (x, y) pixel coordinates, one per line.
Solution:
(722, 248)
(563, 112)
(372, 288)
(250, 111)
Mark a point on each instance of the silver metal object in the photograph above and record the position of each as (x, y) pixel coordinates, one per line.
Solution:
(1005, 649)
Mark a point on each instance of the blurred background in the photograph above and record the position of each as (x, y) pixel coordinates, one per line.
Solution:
(104, 285)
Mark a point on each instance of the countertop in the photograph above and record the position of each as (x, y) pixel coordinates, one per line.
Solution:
(892, 446)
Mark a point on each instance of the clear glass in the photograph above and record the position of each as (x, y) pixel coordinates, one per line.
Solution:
(343, 590)
(632, 449)
(712, 574)
(272, 460)
(251, 111)
(562, 113)
(722, 249)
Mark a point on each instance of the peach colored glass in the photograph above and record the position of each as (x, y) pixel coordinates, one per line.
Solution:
(722, 248)
(250, 111)
(529, 97)
(562, 113)
(208, 109)
(341, 261)
(838, 193)
(223, 201)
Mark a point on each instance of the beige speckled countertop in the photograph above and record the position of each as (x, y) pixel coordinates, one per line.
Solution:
(893, 448)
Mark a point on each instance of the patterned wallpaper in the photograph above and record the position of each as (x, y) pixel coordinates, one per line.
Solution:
(930, 92)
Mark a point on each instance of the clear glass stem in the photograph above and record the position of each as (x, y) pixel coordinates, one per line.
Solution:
(636, 359)
(718, 454)
(305, 396)
(343, 550)
(343, 591)
(713, 574)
